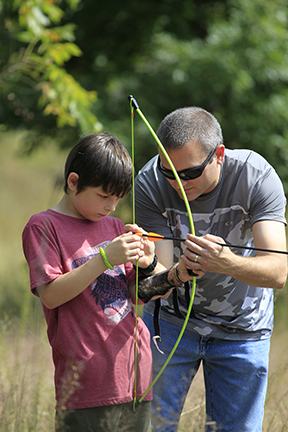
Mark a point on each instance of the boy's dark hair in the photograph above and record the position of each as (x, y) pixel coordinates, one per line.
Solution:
(100, 160)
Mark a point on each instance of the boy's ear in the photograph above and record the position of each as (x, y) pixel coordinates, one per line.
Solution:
(72, 181)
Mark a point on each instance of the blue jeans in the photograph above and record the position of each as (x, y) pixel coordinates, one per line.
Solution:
(235, 375)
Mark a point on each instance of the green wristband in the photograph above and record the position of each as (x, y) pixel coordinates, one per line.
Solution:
(106, 262)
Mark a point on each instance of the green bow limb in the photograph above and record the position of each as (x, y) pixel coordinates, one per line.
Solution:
(134, 105)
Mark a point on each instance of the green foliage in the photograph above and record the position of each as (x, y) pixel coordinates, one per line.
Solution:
(33, 78)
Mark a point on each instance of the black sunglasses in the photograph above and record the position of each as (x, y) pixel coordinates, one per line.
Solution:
(186, 174)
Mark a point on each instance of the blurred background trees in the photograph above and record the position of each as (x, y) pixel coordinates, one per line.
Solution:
(67, 67)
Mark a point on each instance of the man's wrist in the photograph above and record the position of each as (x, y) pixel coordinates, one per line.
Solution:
(177, 275)
(173, 276)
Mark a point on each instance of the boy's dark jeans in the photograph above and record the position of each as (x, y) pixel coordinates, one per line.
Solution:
(109, 418)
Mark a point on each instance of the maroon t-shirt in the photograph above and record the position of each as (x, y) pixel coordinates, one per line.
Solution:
(92, 335)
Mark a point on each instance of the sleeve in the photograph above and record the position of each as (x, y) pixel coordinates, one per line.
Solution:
(268, 199)
(42, 254)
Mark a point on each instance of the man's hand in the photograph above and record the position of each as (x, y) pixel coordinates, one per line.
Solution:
(204, 254)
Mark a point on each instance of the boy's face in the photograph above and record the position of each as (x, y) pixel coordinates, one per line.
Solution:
(92, 203)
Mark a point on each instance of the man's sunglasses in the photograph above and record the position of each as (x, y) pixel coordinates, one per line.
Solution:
(186, 174)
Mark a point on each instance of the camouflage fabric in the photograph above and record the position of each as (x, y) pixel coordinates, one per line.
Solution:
(249, 190)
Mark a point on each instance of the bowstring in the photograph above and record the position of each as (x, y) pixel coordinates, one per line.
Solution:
(136, 278)
(192, 232)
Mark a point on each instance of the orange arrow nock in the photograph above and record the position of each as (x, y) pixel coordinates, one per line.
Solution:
(151, 236)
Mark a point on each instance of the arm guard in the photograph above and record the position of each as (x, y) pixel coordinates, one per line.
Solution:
(158, 284)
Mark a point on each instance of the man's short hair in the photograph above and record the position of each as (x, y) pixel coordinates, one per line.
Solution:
(190, 124)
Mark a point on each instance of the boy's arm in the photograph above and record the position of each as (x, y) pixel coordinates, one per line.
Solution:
(164, 252)
(161, 284)
(67, 286)
(132, 287)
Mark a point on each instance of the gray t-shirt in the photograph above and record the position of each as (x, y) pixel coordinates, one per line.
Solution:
(249, 190)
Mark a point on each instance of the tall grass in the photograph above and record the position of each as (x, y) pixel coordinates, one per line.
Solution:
(26, 380)
(27, 392)
(26, 373)
(28, 186)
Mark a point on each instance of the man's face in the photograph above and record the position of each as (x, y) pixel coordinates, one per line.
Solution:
(191, 156)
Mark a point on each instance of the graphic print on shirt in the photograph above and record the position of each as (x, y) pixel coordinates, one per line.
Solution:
(234, 225)
(110, 291)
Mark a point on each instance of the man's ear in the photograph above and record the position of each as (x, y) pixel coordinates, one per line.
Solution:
(72, 181)
(220, 153)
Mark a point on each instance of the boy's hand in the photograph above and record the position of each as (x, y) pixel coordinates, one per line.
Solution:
(133, 228)
(127, 247)
(148, 247)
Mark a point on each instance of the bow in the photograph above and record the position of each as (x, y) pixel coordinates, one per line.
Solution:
(134, 105)
(136, 284)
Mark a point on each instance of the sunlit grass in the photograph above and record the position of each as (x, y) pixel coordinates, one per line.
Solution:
(27, 392)
(27, 187)
(26, 379)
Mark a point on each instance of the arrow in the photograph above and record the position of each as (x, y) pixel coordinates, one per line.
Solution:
(156, 237)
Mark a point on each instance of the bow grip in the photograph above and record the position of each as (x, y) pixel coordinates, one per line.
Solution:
(191, 273)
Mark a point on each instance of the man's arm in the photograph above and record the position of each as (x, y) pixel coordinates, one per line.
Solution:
(264, 270)
(164, 252)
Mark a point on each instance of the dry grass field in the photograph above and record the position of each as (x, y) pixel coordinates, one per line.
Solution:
(27, 394)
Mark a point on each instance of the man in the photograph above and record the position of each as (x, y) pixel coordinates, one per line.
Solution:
(235, 197)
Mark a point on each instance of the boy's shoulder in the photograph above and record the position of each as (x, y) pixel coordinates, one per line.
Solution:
(49, 218)
(38, 222)
(39, 218)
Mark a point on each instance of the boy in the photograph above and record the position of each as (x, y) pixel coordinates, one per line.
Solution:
(80, 262)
